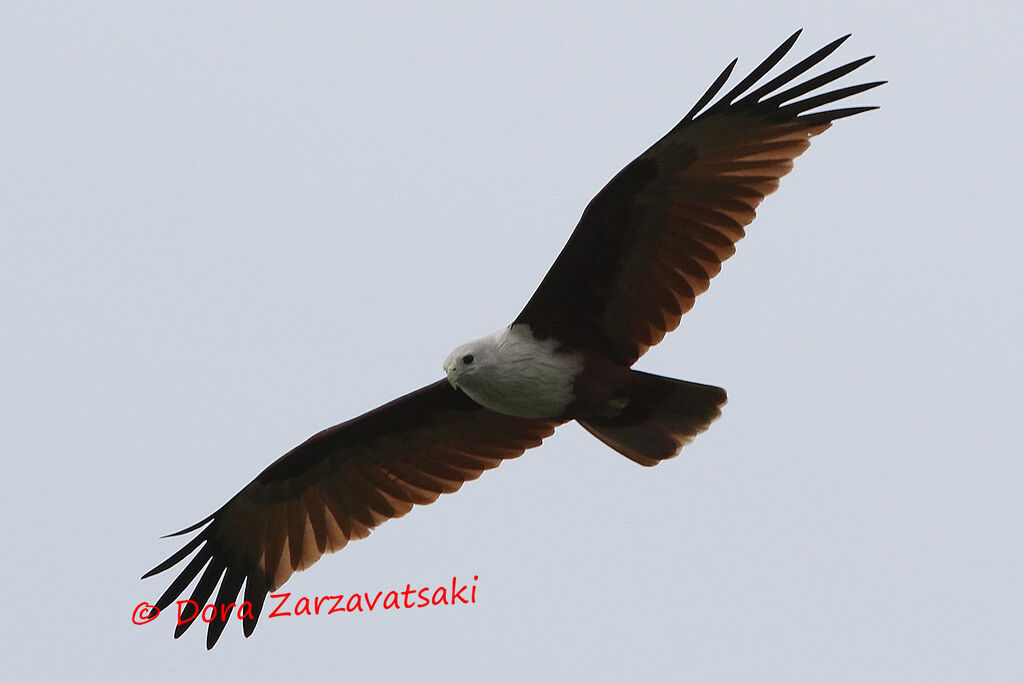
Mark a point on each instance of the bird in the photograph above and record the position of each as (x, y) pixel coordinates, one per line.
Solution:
(645, 247)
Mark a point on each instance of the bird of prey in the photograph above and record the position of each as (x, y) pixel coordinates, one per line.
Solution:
(645, 247)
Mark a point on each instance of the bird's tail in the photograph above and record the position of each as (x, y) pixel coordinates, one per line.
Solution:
(660, 416)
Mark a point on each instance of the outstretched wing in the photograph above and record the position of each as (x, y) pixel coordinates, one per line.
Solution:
(653, 238)
(336, 487)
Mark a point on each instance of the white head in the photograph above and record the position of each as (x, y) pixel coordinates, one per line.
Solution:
(471, 361)
(512, 373)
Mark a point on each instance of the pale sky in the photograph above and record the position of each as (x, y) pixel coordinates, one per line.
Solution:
(227, 228)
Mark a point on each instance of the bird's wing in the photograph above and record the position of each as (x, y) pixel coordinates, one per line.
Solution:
(336, 487)
(653, 238)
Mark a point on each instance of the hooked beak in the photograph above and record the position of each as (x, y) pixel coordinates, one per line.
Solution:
(450, 371)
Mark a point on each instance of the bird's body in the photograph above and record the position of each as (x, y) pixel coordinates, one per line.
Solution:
(513, 373)
(646, 246)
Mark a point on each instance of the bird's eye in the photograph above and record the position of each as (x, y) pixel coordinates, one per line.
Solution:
(467, 359)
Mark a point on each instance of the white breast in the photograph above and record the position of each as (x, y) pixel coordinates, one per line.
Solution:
(516, 374)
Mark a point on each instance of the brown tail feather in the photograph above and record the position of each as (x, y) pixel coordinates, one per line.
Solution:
(661, 417)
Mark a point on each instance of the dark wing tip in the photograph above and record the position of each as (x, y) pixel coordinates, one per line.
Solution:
(766, 65)
(212, 564)
(834, 114)
(191, 528)
(801, 106)
(229, 589)
(177, 557)
(769, 101)
(712, 90)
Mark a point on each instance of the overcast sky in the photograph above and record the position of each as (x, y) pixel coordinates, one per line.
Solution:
(224, 229)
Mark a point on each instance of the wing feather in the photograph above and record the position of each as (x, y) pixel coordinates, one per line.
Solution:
(337, 487)
(674, 214)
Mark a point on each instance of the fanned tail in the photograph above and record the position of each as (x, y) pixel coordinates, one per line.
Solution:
(661, 416)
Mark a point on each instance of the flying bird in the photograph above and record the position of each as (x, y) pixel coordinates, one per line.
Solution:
(645, 247)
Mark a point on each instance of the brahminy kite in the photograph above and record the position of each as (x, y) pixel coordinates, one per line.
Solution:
(645, 247)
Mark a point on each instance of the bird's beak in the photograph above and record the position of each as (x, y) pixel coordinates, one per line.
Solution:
(450, 371)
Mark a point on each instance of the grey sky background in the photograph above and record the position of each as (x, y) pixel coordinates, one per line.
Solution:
(225, 228)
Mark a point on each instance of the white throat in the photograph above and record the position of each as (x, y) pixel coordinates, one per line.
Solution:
(513, 373)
